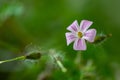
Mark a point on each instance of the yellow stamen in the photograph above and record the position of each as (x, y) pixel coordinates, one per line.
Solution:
(80, 34)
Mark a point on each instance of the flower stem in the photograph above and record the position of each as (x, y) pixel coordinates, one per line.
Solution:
(13, 59)
(60, 64)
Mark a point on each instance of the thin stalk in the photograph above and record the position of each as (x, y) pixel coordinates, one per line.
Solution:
(13, 59)
(60, 64)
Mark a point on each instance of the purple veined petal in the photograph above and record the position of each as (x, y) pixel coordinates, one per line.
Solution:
(85, 24)
(90, 35)
(73, 27)
(70, 37)
(79, 44)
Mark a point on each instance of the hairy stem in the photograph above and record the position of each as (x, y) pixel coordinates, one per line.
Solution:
(60, 64)
(13, 59)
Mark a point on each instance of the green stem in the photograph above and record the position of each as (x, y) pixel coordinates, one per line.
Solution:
(14, 59)
(60, 64)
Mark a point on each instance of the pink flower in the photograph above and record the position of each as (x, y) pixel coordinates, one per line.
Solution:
(79, 34)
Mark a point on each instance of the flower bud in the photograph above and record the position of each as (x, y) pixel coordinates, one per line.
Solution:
(34, 56)
(101, 38)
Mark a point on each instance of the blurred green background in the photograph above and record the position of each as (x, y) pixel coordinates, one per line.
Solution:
(27, 23)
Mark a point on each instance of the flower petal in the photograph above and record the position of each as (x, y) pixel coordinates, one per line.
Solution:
(70, 37)
(90, 35)
(73, 27)
(85, 24)
(79, 44)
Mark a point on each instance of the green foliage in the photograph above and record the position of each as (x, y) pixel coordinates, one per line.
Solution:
(43, 23)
